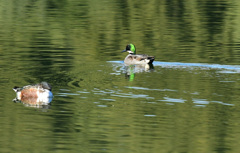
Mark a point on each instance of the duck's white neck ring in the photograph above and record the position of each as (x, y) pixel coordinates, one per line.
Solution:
(130, 52)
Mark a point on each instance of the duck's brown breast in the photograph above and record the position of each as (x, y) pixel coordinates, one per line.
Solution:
(31, 92)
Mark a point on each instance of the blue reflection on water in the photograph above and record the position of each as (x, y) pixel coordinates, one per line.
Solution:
(201, 65)
(232, 68)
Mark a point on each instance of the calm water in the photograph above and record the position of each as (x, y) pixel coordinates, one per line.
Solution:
(187, 102)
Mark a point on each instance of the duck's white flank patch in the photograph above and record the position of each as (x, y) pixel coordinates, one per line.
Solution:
(19, 95)
(45, 93)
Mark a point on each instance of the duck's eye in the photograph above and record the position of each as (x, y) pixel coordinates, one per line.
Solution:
(128, 47)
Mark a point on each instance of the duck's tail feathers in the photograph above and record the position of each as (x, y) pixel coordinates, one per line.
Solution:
(151, 58)
(16, 89)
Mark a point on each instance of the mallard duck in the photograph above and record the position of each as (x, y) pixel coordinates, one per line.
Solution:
(132, 58)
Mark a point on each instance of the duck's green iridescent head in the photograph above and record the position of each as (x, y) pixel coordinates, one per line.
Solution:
(130, 48)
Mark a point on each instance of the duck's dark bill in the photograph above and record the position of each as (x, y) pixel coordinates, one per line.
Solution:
(124, 50)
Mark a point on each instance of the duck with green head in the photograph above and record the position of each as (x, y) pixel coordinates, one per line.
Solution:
(132, 58)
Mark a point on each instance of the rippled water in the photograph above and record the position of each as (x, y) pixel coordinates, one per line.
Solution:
(188, 101)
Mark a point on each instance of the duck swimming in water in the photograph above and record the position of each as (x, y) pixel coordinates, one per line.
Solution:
(41, 92)
(132, 58)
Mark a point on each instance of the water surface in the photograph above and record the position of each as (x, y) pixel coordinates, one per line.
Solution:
(187, 102)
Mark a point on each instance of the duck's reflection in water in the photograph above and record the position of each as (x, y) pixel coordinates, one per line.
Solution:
(131, 70)
(35, 102)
